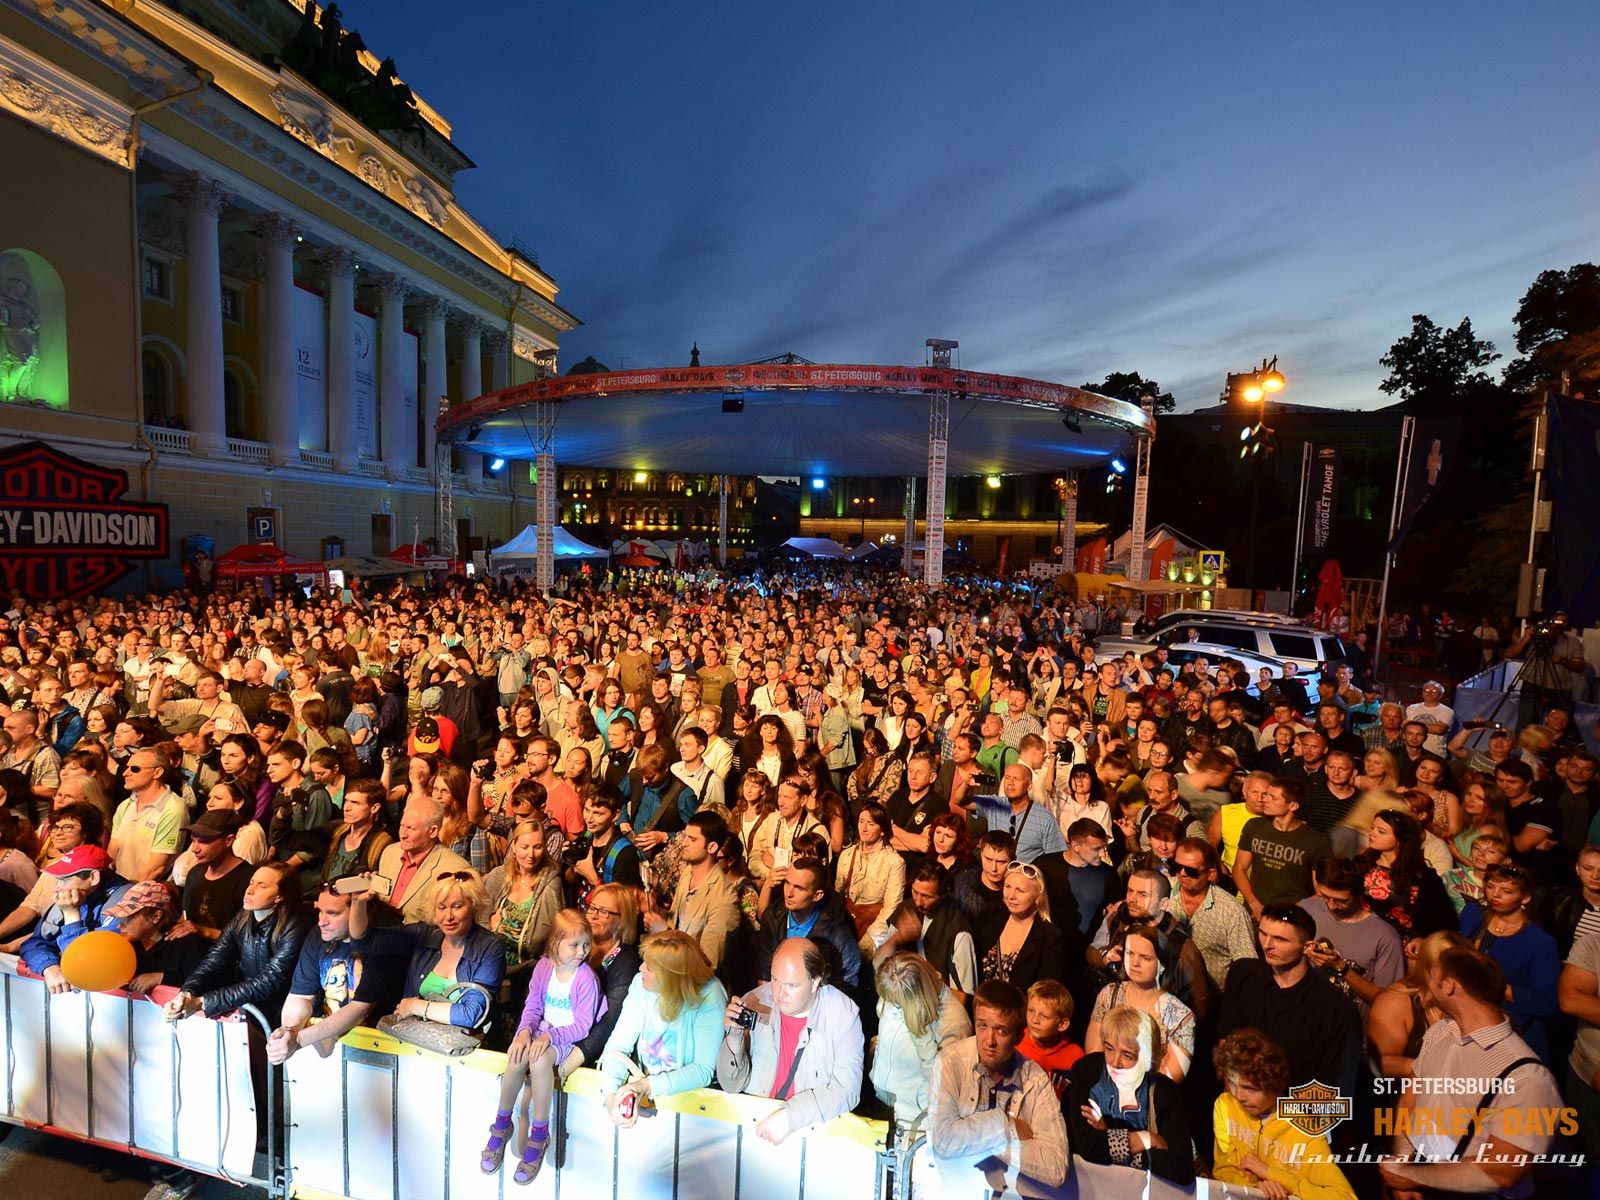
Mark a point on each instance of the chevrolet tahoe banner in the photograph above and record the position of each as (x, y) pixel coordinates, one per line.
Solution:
(65, 529)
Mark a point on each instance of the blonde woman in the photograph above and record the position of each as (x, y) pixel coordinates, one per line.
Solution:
(1405, 1010)
(524, 895)
(918, 1015)
(668, 1035)
(613, 916)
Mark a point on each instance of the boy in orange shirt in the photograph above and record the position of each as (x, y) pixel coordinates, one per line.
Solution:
(1046, 1042)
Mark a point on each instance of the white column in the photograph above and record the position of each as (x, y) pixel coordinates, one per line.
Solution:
(434, 381)
(203, 200)
(471, 389)
(278, 353)
(397, 419)
(343, 438)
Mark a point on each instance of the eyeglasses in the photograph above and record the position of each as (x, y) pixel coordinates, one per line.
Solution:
(1028, 869)
(463, 876)
(593, 909)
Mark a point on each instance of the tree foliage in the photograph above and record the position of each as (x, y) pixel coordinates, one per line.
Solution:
(1132, 387)
(1437, 370)
(1558, 330)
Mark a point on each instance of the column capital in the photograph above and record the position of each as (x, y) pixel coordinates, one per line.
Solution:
(392, 287)
(277, 232)
(430, 307)
(470, 326)
(494, 338)
(340, 261)
(201, 193)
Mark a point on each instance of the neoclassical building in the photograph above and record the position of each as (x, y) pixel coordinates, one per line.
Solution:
(232, 264)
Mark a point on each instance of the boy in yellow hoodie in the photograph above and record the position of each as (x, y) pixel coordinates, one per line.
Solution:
(1256, 1147)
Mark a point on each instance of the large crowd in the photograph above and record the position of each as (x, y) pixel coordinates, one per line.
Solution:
(840, 842)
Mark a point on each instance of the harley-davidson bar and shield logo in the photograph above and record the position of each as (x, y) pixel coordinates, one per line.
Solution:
(65, 530)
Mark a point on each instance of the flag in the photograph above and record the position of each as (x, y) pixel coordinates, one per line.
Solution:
(1433, 453)
(1573, 466)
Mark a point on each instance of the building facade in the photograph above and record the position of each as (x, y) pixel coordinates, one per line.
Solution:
(232, 264)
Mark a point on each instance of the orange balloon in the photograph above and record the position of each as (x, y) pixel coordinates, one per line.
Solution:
(101, 961)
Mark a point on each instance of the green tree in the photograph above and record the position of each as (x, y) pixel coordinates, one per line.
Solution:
(1558, 330)
(1132, 387)
(1435, 370)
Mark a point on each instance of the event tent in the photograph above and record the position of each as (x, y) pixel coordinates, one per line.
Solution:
(526, 545)
(818, 547)
(368, 566)
(861, 551)
(262, 562)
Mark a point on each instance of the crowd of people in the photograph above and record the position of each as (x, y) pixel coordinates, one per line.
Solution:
(839, 842)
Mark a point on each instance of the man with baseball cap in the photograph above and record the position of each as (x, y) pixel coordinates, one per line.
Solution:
(213, 892)
(86, 885)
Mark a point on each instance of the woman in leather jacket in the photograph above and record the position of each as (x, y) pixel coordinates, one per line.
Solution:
(253, 961)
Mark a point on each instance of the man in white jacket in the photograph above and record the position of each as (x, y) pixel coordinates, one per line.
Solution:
(993, 1110)
(805, 1049)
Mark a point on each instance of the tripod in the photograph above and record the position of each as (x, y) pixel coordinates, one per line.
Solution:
(1538, 686)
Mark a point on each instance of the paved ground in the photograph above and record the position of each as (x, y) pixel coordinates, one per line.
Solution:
(34, 1165)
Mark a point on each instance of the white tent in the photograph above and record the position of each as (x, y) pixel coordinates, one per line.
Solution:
(818, 547)
(861, 551)
(524, 548)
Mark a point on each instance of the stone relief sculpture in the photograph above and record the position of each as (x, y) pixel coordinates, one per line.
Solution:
(19, 338)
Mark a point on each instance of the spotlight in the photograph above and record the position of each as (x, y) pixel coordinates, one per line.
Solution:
(818, 484)
(993, 481)
(733, 402)
(1118, 466)
(497, 463)
(1073, 423)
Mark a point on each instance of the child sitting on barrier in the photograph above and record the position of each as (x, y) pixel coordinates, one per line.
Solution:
(564, 999)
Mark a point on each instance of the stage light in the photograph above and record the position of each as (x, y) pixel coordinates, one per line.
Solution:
(993, 481)
(1073, 424)
(1118, 466)
(497, 463)
(733, 402)
(818, 484)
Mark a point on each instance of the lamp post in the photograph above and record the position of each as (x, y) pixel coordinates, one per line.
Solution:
(1255, 439)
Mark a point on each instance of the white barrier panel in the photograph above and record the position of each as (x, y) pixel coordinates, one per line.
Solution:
(381, 1120)
(967, 1179)
(107, 1067)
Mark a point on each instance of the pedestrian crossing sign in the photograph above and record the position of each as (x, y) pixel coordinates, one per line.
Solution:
(1213, 560)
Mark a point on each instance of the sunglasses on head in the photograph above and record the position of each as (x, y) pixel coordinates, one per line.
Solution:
(463, 876)
(1028, 869)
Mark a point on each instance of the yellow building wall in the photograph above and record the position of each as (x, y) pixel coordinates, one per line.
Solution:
(72, 209)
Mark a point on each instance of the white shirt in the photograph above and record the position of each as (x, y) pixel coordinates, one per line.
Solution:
(1433, 714)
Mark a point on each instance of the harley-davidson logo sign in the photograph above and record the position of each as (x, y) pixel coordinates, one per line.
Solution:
(1314, 1108)
(65, 529)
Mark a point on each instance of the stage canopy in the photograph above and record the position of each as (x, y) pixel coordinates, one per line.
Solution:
(800, 419)
(526, 545)
(818, 547)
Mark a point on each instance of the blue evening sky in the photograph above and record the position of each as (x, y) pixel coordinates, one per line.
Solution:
(1067, 188)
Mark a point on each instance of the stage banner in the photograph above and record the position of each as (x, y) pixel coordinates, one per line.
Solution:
(364, 327)
(310, 369)
(66, 528)
(1323, 497)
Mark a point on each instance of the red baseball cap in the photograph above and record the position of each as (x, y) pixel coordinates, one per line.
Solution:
(79, 858)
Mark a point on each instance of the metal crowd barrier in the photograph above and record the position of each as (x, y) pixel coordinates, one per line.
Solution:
(107, 1068)
(927, 1178)
(382, 1120)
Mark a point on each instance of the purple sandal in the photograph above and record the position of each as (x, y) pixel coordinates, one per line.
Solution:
(532, 1158)
(494, 1153)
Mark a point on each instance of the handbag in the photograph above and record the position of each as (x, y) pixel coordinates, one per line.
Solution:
(449, 1040)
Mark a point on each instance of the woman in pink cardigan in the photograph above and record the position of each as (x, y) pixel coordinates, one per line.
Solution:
(564, 1000)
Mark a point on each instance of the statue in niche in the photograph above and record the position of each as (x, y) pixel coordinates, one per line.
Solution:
(19, 339)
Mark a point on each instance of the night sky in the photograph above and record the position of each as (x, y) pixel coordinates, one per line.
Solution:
(1067, 188)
